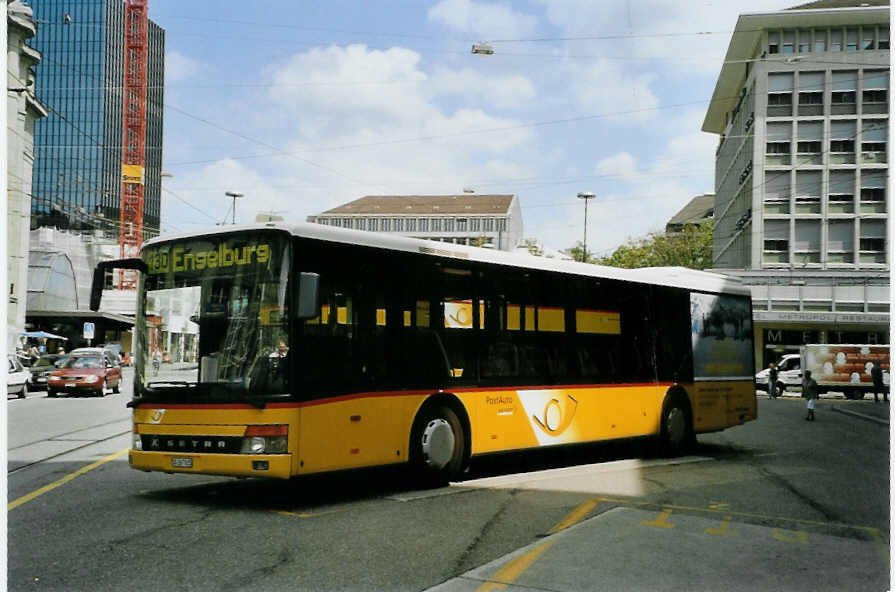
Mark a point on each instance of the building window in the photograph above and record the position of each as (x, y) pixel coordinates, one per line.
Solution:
(873, 192)
(449, 225)
(806, 246)
(385, 225)
(475, 224)
(811, 93)
(841, 241)
(851, 40)
(789, 41)
(841, 198)
(776, 241)
(488, 224)
(373, 224)
(410, 225)
(809, 145)
(844, 89)
(773, 42)
(875, 94)
(776, 192)
(883, 38)
(804, 41)
(836, 40)
(436, 224)
(842, 142)
(867, 42)
(362, 223)
(780, 94)
(461, 224)
(424, 224)
(820, 40)
(873, 141)
(808, 192)
(779, 142)
(873, 241)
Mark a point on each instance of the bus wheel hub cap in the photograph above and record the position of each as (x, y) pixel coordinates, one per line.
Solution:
(438, 443)
(676, 425)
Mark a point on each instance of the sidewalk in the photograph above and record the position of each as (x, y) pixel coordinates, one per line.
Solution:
(875, 412)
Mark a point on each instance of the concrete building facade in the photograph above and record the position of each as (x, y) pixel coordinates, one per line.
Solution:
(801, 179)
(465, 219)
(23, 109)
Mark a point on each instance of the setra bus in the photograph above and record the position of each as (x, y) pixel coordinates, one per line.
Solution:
(306, 348)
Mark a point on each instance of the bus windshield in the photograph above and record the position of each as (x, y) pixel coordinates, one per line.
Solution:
(213, 320)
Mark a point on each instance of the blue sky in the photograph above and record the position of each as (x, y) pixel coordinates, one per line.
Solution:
(303, 106)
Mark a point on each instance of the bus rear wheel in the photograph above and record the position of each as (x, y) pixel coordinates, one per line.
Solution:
(676, 432)
(438, 446)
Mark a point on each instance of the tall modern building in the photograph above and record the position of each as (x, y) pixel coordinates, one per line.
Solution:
(77, 165)
(801, 180)
(466, 219)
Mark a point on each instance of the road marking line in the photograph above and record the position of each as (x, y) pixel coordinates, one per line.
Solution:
(27, 498)
(627, 503)
(660, 521)
(791, 536)
(575, 516)
(723, 530)
(511, 571)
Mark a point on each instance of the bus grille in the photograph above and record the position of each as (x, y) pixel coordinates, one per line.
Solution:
(210, 444)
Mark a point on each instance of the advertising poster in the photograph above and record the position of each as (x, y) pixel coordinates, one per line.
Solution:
(845, 365)
(721, 331)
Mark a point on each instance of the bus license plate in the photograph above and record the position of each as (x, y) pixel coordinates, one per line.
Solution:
(182, 462)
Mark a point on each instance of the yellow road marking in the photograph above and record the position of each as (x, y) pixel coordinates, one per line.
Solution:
(27, 498)
(627, 502)
(575, 516)
(723, 530)
(508, 573)
(660, 521)
(791, 536)
(304, 514)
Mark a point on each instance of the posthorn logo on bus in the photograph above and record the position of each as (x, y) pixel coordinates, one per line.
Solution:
(557, 416)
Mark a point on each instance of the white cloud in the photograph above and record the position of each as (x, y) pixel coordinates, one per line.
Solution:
(503, 92)
(688, 36)
(603, 88)
(621, 165)
(179, 67)
(488, 21)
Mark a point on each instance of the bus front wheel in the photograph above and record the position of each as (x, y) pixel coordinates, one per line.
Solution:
(438, 445)
(677, 428)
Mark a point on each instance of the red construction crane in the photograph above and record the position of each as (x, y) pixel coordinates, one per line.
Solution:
(133, 150)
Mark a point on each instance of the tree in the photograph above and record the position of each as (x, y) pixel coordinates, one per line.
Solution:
(533, 247)
(577, 253)
(691, 247)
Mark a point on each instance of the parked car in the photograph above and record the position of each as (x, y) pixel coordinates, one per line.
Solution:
(85, 373)
(16, 378)
(41, 369)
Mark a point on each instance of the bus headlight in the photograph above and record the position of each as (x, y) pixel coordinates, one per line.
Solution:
(138, 442)
(265, 439)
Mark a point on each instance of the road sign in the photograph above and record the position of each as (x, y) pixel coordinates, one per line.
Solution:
(89, 329)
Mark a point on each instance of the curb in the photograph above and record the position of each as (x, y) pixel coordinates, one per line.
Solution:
(884, 422)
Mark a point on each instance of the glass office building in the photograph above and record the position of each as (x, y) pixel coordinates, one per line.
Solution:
(77, 163)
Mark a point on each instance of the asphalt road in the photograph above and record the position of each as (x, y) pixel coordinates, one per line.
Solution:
(779, 503)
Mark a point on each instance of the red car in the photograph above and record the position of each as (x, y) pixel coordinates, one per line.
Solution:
(82, 374)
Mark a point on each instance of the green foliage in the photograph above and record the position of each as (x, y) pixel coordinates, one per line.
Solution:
(533, 247)
(692, 247)
(577, 253)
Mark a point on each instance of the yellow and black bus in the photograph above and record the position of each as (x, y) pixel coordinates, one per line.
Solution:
(322, 349)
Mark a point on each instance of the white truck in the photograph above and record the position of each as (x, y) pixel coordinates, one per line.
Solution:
(836, 368)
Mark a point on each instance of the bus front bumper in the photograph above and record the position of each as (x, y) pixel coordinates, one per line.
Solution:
(236, 465)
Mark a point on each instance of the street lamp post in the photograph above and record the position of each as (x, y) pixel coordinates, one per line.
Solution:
(234, 195)
(586, 196)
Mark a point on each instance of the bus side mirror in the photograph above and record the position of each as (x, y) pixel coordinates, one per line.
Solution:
(308, 296)
(99, 276)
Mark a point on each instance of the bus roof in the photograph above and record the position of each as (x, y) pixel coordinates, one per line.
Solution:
(677, 277)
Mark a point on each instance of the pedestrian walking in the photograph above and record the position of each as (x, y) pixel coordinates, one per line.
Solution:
(772, 380)
(809, 391)
(876, 373)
